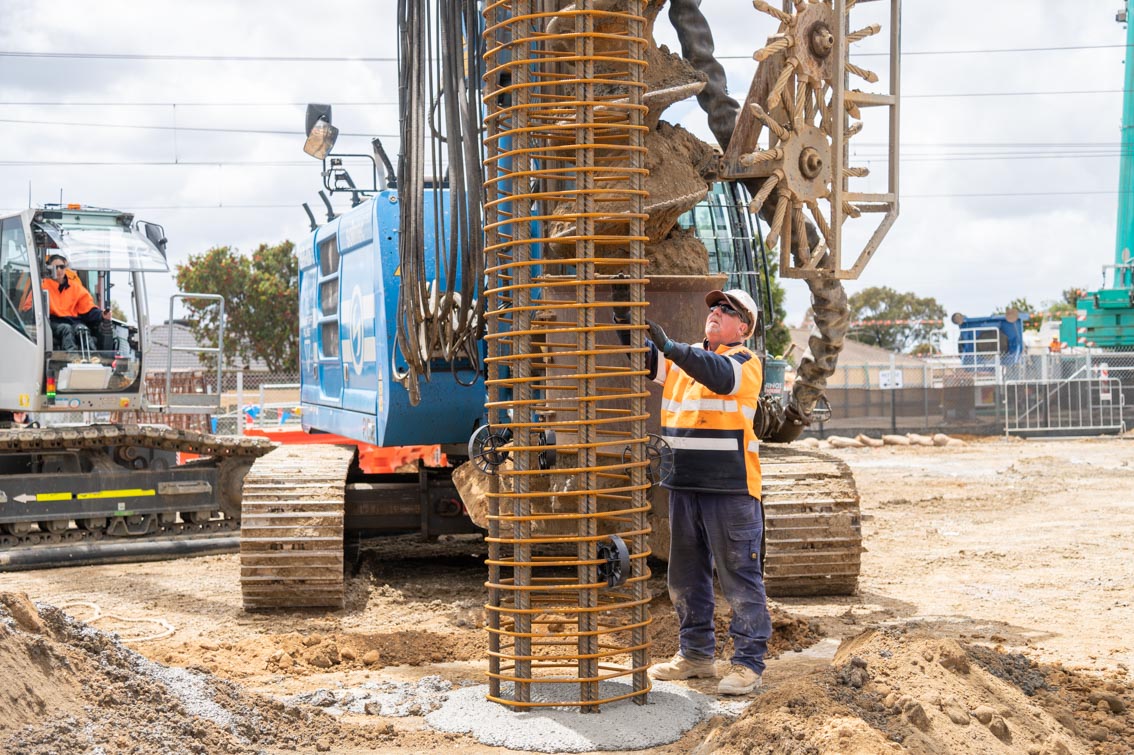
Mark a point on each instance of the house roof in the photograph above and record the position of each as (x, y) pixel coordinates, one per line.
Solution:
(854, 352)
(158, 356)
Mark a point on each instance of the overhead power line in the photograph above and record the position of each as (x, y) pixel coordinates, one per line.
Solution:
(210, 129)
(980, 158)
(857, 158)
(1015, 194)
(146, 208)
(153, 163)
(983, 51)
(390, 59)
(1007, 146)
(392, 103)
(197, 58)
(222, 206)
(118, 103)
(1008, 94)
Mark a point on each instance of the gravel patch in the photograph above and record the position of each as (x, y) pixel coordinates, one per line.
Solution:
(671, 711)
(190, 689)
(394, 699)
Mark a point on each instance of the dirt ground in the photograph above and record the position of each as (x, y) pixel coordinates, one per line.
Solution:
(994, 615)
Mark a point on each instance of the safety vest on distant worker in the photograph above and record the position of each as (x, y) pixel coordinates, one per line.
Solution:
(71, 301)
(714, 446)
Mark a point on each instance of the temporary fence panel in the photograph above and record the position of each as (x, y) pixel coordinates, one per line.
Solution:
(1076, 406)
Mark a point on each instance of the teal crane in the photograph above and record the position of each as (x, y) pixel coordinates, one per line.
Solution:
(1105, 318)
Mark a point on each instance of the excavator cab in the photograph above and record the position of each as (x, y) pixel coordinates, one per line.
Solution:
(63, 360)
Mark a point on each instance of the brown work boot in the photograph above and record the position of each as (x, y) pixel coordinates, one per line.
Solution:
(740, 680)
(680, 667)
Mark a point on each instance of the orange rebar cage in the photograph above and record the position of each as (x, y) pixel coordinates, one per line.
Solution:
(564, 184)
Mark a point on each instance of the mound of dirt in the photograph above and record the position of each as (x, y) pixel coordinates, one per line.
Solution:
(905, 690)
(68, 687)
(296, 653)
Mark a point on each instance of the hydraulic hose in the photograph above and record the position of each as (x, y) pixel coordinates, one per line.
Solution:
(439, 315)
(697, 47)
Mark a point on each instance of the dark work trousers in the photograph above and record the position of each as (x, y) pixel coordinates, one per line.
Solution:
(722, 530)
(63, 330)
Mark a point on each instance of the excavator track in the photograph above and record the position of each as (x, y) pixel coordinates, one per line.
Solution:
(94, 437)
(291, 529)
(812, 524)
(57, 536)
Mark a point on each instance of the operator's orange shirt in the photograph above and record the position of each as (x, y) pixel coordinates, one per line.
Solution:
(72, 301)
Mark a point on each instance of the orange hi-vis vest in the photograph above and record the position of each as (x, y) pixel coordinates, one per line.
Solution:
(72, 301)
(714, 446)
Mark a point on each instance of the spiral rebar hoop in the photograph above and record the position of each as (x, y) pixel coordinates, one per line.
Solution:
(565, 161)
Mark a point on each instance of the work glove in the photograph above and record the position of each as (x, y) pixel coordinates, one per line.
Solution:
(659, 338)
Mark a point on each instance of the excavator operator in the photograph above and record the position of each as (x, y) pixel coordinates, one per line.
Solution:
(72, 306)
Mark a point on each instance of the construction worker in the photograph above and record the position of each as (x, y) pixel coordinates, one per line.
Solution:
(1055, 346)
(709, 399)
(71, 306)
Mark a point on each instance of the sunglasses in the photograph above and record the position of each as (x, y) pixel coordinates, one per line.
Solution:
(727, 310)
(57, 267)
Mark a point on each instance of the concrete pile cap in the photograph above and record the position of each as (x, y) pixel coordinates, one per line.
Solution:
(671, 711)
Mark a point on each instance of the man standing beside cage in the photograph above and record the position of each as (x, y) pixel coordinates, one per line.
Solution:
(709, 399)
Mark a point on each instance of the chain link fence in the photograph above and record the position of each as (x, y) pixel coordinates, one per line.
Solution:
(969, 394)
(256, 399)
(248, 399)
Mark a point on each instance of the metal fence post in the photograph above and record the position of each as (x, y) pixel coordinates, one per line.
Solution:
(240, 402)
(925, 392)
(893, 398)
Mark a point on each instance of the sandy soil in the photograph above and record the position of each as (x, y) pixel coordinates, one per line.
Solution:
(993, 615)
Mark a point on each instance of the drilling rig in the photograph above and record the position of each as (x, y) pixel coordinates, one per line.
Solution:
(465, 297)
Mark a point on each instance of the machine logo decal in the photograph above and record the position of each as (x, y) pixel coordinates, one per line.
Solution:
(358, 345)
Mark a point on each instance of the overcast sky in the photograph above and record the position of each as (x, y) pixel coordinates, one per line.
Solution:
(1009, 170)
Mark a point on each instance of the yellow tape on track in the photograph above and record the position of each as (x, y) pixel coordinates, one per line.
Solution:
(130, 493)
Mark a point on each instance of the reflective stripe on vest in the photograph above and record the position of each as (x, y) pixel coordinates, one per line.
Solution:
(702, 444)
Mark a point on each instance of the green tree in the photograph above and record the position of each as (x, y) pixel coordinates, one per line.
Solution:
(1071, 296)
(893, 320)
(273, 306)
(261, 300)
(1022, 306)
(924, 349)
(1067, 304)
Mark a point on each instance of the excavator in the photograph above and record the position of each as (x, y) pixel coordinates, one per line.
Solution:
(77, 487)
(459, 300)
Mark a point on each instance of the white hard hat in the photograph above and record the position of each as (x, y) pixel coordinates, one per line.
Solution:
(739, 300)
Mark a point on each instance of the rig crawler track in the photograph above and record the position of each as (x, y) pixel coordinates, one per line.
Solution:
(291, 532)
